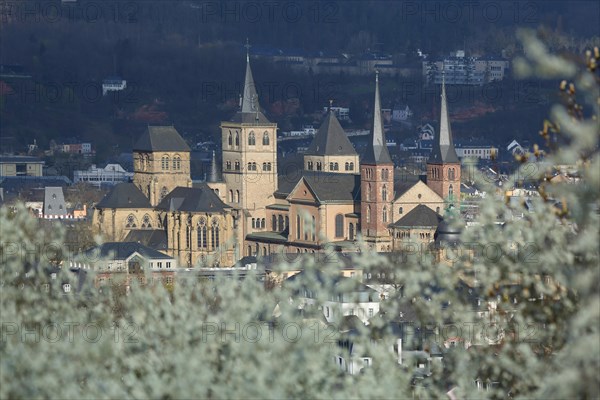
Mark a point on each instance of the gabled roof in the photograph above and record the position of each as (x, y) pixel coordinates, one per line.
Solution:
(161, 138)
(124, 195)
(377, 151)
(330, 187)
(330, 139)
(403, 183)
(199, 199)
(420, 216)
(54, 201)
(443, 148)
(123, 250)
(153, 238)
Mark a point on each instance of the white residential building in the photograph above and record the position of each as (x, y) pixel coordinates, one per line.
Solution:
(109, 175)
(480, 152)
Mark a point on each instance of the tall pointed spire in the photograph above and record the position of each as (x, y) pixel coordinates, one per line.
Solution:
(213, 175)
(443, 149)
(377, 151)
(249, 111)
(250, 99)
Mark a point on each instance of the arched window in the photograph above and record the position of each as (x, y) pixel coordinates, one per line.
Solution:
(287, 222)
(251, 139)
(146, 221)
(336, 166)
(347, 166)
(351, 166)
(214, 235)
(264, 251)
(237, 196)
(253, 223)
(384, 193)
(281, 225)
(228, 165)
(314, 228)
(188, 236)
(176, 162)
(400, 210)
(319, 166)
(202, 234)
(237, 139)
(385, 214)
(437, 210)
(331, 166)
(450, 190)
(165, 163)
(339, 226)
(266, 140)
(237, 165)
(309, 165)
(230, 139)
(368, 214)
(263, 223)
(131, 221)
(274, 222)
(231, 196)
(298, 227)
(351, 231)
(451, 174)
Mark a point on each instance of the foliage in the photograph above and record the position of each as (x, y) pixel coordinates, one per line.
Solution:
(201, 339)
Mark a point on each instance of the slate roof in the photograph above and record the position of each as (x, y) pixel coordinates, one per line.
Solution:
(250, 118)
(443, 147)
(124, 195)
(54, 201)
(327, 186)
(20, 159)
(122, 250)
(330, 139)
(161, 138)
(250, 112)
(420, 216)
(198, 199)
(214, 174)
(153, 238)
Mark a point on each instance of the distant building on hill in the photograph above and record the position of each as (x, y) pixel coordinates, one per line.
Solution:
(110, 175)
(20, 166)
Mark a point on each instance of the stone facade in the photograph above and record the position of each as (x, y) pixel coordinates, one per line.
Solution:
(158, 173)
(444, 179)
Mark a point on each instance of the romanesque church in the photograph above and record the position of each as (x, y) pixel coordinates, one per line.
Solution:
(335, 199)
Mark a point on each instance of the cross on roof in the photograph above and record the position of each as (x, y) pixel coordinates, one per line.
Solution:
(247, 46)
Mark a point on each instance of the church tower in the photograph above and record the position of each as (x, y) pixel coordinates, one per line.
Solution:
(330, 150)
(377, 184)
(249, 152)
(161, 162)
(443, 166)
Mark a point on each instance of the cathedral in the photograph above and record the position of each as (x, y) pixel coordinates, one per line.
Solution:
(335, 199)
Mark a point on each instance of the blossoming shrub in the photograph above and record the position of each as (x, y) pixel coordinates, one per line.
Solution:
(231, 338)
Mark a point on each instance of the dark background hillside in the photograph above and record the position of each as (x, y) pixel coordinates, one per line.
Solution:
(184, 62)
